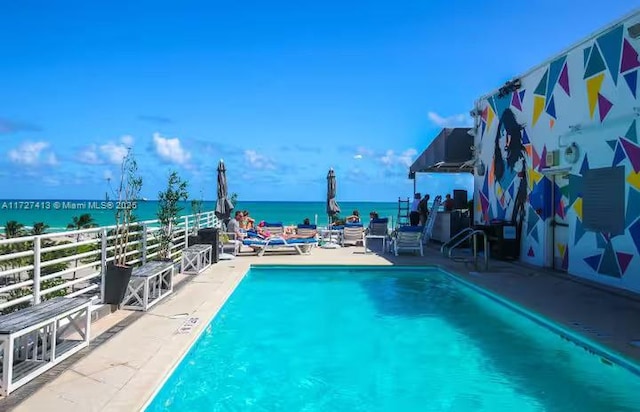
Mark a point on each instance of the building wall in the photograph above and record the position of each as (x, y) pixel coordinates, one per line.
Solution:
(593, 87)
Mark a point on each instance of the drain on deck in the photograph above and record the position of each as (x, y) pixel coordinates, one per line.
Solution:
(188, 325)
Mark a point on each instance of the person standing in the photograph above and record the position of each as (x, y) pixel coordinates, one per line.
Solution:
(423, 209)
(414, 215)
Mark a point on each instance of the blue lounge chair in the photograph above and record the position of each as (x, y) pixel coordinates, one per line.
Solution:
(275, 243)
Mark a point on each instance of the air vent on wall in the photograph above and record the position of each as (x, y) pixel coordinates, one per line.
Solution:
(634, 31)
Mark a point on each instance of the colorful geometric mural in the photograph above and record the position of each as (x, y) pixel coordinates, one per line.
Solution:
(608, 67)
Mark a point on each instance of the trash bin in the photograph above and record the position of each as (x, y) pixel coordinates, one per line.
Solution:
(211, 236)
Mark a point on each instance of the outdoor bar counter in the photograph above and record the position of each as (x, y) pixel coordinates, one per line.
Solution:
(447, 224)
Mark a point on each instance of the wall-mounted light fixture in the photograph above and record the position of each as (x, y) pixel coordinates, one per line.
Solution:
(634, 31)
(510, 86)
(572, 153)
(575, 127)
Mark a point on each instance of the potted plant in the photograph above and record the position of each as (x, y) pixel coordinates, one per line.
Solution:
(119, 271)
(168, 209)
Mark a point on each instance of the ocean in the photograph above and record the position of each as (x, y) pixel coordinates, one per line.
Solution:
(57, 214)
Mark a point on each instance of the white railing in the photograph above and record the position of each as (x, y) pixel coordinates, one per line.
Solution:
(73, 263)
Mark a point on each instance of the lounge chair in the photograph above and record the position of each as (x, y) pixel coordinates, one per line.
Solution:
(408, 238)
(274, 229)
(378, 229)
(229, 243)
(308, 231)
(301, 246)
(353, 233)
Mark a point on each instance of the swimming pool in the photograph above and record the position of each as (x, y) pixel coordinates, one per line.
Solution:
(383, 339)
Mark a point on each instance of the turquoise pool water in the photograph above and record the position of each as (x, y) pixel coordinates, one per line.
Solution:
(383, 339)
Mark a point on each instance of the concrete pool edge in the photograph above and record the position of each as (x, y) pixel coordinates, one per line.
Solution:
(205, 325)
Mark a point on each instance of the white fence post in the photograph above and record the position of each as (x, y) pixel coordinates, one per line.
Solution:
(144, 243)
(103, 260)
(36, 270)
(186, 232)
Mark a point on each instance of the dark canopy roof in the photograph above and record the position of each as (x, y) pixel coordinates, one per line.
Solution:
(450, 152)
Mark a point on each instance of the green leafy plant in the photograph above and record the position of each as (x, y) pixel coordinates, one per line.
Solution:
(233, 198)
(168, 209)
(127, 193)
(196, 209)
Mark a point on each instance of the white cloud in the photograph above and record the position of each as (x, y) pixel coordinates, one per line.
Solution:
(127, 140)
(456, 120)
(170, 150)
(50, 181)
(114, 152)
(406, 158)
(32, 154)
(258, 161)
(358, 156)
(89, 155)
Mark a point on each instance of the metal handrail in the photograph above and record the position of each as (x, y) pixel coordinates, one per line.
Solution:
(460, 233)
(474, 234)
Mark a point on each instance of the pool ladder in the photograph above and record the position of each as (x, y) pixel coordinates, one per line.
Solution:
(461, 237)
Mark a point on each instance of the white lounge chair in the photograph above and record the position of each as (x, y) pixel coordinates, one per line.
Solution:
(408, 238)
(353, 233)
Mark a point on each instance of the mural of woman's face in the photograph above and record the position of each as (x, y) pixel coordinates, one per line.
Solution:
(505, 141)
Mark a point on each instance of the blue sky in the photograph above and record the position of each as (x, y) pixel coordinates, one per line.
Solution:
(281, 91)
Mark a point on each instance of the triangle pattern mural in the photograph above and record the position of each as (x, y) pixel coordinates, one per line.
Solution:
(515, 101)
(525, 137)
(564, 80)
(585, 165)
(585, 54)
(629, 57)
(632, 133)
(593, 261)
(618, 156)
(609, 262)
(555, 69)
(521, 93)
(633, 153)
(530, 253)
(633, 206)
(623, 261)
(612, 144)
(579, 231)
(593, 90)
(632, 81)
(595, 64)
(604, 106)
(541, 89)
(634, 231)
(609, 44)
(551, 108)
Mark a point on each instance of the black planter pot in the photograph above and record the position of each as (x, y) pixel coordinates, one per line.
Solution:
(193, 240)
(116, 281)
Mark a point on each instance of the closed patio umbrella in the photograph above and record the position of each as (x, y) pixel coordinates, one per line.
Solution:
(332, 206)
(223, 204)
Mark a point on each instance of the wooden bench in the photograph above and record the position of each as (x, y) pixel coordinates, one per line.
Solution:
(196, 259)
(149, 284)
(37, 338)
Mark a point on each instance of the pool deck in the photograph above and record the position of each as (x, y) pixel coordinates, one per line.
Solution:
(131, 352)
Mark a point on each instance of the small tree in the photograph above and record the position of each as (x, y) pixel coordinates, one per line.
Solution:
(127, 193)
(39, 228)
(196, 209)
(233, 198)
(168, 209)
